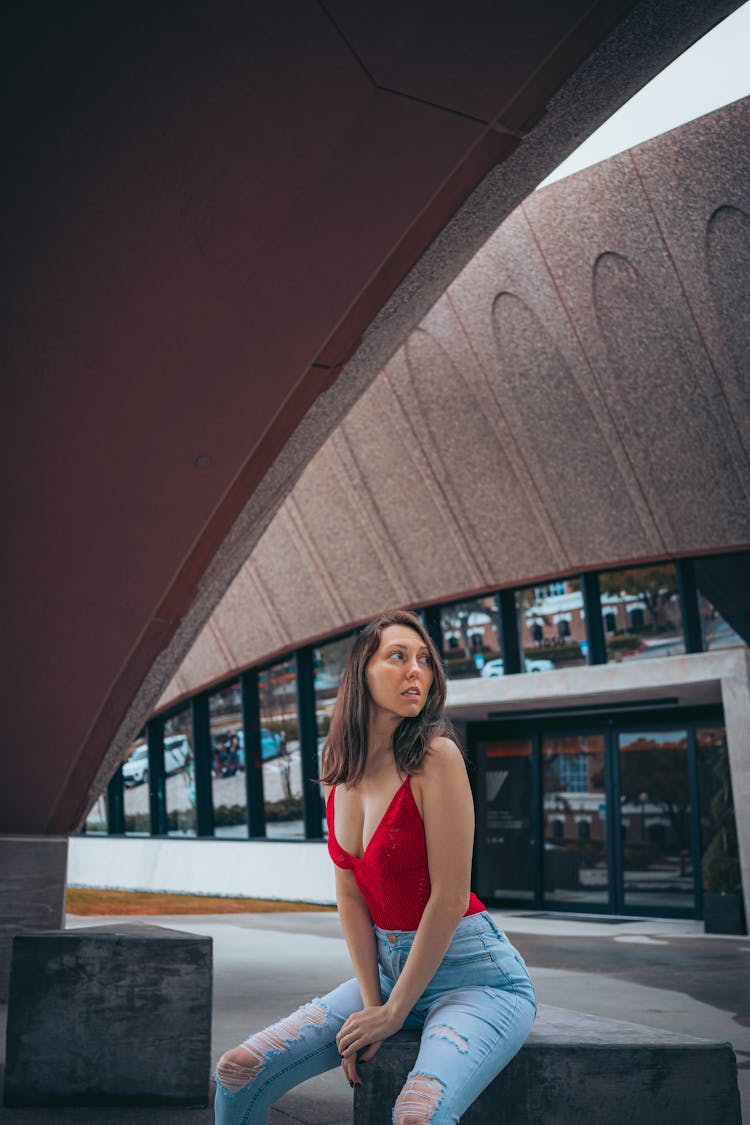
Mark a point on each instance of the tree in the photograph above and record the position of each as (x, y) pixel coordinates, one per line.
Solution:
(659, 770)
(654, 585)
(457, 617)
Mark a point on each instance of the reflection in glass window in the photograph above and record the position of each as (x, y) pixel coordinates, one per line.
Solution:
(280, 750)
(179, 769)
(96, 821)
(575, 830)
(471, 642)
(228, 761)
(720, 865)
(655, 819)
(717, 633)
(641, 612)
(135, 788)
(329, 662)
(504, 819)
(551, 625)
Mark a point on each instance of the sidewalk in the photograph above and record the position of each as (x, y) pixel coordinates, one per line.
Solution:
(659, 973)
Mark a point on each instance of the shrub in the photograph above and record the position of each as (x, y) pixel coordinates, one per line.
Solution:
(558, 654)
(289, 808)
(624, 642)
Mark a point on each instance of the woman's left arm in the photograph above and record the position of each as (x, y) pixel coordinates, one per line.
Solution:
(448, 812)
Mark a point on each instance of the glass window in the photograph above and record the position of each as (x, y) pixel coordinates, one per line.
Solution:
(575, 831)
(179, 770)
(720, 865)
(329, 662)
(655, 819)
(135, 788)
(641, 612)
(471, 641)
(717, 633)
(96, 821)
(551, 625)
(228, 761)
(280, 750)
(504, 822)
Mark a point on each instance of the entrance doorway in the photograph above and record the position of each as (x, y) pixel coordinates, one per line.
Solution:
(593, 814)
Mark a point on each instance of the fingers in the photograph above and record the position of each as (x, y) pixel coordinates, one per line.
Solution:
(349, 1066)
(369, 1052)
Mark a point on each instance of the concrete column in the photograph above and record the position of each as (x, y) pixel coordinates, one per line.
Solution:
(735, 690)
(33, 871)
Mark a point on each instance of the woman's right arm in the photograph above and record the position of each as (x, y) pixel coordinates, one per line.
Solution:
(360, 939)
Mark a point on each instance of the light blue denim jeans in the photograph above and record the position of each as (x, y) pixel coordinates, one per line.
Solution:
(475, 1014)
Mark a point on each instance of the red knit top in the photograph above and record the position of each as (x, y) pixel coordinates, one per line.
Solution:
(392, 872)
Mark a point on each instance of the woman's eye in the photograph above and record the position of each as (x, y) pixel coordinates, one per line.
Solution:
(427, 659)
(398, 654)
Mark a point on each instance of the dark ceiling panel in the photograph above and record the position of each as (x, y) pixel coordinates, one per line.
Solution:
(204, 209)
(471, 57)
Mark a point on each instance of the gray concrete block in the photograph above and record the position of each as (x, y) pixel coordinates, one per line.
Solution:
(109, 1015)
(576, 1068)
(32, 891)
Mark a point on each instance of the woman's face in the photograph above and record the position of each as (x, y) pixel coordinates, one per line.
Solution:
(399, 673)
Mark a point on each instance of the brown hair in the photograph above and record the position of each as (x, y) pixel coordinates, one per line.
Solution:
(345, 750)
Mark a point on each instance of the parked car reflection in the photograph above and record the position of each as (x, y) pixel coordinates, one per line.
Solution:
(176, 756)
(497, 668)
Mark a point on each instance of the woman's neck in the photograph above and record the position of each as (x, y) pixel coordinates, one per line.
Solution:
(380, 740)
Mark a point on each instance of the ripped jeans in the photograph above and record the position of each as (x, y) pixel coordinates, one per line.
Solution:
(475, 1014)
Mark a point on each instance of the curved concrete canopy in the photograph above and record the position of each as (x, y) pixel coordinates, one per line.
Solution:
(207, 211)
(578, 398)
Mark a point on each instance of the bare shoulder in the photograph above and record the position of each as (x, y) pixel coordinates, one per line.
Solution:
(442, 765)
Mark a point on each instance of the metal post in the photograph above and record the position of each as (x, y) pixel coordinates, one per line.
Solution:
(116, 804)
(431, 620)
(204, 803)
(509, 638)
(592, 604)
(689, 605)
(157, 789)
(256, 813)
(312, 803)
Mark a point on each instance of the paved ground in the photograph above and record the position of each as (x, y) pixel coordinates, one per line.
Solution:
(660, 973)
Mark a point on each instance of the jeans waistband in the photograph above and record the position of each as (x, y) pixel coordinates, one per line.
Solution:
(469, 926)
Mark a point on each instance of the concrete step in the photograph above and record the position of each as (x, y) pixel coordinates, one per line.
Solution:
(575, 1068)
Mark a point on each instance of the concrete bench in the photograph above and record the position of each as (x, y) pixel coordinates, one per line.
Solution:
(577, 1068)
(109, 1015)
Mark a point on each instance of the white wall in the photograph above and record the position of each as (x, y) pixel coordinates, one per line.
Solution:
(299, 872)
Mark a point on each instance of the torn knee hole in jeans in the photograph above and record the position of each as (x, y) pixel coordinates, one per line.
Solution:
(418, 1100)
(442, 1032)
(243, 1064)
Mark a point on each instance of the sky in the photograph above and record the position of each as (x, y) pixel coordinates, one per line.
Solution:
(712, 73)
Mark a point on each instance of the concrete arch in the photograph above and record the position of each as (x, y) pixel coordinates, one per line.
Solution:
(183, 192)
(600, 349)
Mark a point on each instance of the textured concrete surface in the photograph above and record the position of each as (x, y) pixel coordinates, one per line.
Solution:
(32, 891)
(578, 397)
(91, 1010)
(579, 1067)
(663, 974)
(161, 248)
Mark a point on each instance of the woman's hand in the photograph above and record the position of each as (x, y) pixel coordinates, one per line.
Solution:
(349, 1064)
(362, 1035)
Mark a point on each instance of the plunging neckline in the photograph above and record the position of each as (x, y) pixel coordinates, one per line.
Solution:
(359, 858)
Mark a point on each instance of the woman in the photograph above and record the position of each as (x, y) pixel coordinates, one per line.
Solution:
(425, 952)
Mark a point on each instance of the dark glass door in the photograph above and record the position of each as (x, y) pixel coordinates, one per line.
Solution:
(613, 814)
(505, 845)
(655, 821)
(576, 856)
